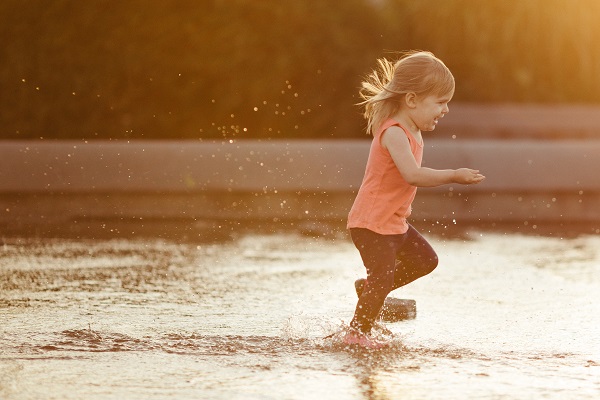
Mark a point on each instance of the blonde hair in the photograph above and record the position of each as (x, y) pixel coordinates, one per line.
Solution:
(417, 71)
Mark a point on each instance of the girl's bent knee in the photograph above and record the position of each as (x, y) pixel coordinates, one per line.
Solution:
(433, 263)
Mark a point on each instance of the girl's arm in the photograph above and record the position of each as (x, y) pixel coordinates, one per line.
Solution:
(395, 141)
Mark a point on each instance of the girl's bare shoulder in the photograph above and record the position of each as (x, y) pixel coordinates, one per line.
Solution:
(394, 136)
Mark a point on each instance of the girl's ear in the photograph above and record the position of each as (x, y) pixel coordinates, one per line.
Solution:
(411, 99)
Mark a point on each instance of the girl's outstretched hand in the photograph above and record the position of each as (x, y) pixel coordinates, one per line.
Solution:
(467, 176)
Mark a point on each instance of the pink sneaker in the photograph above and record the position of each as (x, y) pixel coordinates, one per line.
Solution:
(354, 337)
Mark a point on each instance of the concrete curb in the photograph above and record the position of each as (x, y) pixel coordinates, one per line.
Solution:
(60, 182)
(304, 166)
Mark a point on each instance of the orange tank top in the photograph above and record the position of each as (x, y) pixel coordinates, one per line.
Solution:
(384, 199)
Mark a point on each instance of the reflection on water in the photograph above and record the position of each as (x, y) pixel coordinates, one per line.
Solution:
(504, 316)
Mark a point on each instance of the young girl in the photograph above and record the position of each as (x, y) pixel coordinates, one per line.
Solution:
(401, 100)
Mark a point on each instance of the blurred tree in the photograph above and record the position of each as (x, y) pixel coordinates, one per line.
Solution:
(268, 69)
(509, 50)
(183, 68)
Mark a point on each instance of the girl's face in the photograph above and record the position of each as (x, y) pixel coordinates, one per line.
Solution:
(429, 110)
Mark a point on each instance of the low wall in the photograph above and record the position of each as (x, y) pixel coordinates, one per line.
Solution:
(518, 121)
(79, 186)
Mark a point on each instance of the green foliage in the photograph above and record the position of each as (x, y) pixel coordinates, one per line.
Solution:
(266, 69)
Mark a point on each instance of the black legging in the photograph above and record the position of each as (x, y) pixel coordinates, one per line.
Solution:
(392, 261)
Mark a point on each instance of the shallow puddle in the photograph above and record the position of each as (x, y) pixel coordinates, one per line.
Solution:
(503, 316)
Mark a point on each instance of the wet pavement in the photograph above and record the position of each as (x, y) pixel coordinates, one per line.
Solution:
(505, 315)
